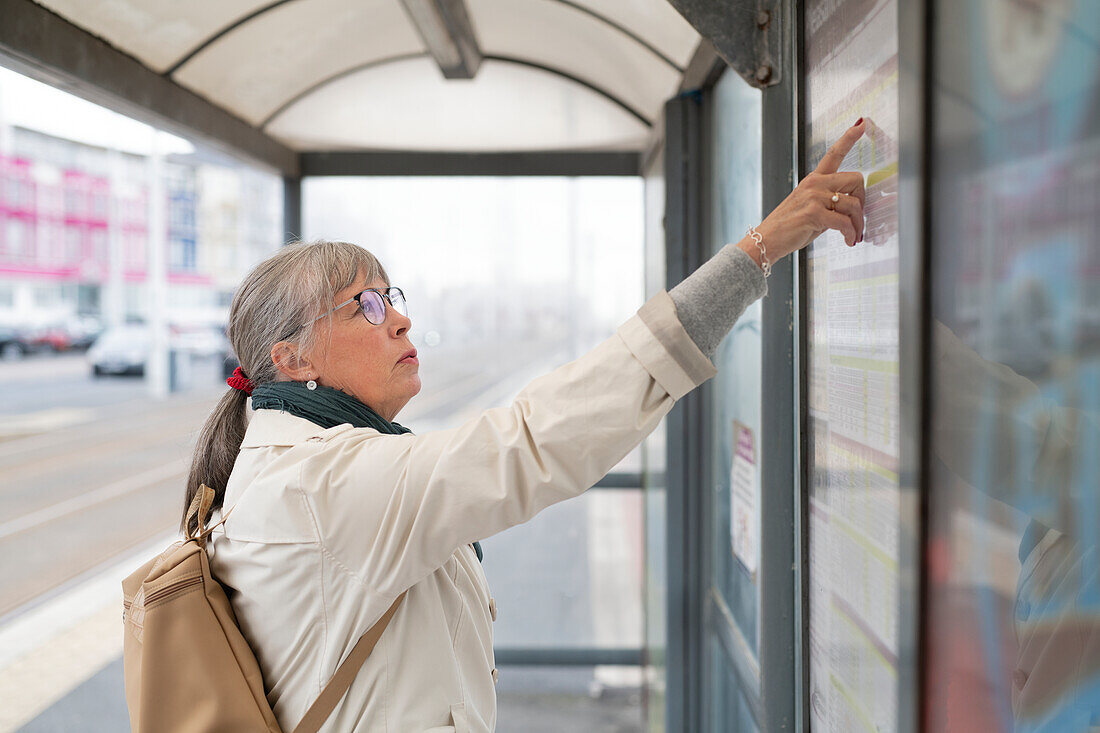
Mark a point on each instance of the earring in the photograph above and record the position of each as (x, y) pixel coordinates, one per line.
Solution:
(311, 385)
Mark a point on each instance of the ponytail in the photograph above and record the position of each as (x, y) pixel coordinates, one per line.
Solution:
(216, 451)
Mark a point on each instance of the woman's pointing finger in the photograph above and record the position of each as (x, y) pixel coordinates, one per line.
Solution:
(835, 156)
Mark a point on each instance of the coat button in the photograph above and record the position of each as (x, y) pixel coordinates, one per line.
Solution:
(1019, 679)
(496, 675)
(493, 608)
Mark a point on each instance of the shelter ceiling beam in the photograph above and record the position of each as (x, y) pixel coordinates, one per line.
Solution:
(445, 28)
(744, 32)
(41, 44)
(415, 163)
(704, 68)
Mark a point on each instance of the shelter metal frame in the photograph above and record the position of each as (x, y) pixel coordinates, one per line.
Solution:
(688, 423)
(697, 609)
(916, 29)
(779, 505)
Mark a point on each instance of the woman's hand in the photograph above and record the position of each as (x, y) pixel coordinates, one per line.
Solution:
(810, 210)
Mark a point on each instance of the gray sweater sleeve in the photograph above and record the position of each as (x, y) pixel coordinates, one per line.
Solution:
(711, 299)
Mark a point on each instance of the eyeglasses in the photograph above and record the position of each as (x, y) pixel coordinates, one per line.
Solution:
(372, 302)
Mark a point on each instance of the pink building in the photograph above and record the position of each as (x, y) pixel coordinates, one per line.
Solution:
(66, 206)
(56, 227)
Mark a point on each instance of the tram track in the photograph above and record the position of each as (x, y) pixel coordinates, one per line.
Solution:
(111, 491)
(47, 549)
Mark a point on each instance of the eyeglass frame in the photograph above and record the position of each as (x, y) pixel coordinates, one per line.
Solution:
(357, 299)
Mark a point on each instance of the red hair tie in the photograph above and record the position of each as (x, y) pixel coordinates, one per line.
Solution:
(240, 381)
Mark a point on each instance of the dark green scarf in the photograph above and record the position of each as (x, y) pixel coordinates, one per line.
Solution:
(326, 407)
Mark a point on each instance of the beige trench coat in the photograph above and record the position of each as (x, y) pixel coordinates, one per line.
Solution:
(329, 526)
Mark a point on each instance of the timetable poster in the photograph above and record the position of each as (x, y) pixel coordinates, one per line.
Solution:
(852, 72)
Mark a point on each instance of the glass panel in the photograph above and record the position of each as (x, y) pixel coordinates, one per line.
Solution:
(506, 299)
(853, 371)
(506, 279)
(552, 699)
(735, 176)
(726, 706)
(571, 576)
(1013, 625)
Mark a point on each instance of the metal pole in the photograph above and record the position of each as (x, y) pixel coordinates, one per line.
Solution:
(780, 503)
(114, 301)
(156, 277)
(684, 252)
(292, 208)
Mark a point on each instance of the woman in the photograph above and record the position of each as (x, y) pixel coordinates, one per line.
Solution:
(336, 510)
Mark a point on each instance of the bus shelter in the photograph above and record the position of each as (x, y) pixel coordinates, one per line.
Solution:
(880, 515)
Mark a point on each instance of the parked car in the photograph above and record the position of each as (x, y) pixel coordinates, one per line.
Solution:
(125, 349)
(78, 332)
(121, 350)
(49, 338)
(199, 340)
(83, 331)
(12, 345)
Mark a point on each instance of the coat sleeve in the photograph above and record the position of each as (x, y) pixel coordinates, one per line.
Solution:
(392, 509)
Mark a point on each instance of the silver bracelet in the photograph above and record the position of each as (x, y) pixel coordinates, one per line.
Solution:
(765, 265)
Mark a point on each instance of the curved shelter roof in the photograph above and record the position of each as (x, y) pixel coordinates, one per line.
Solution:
(360, 74)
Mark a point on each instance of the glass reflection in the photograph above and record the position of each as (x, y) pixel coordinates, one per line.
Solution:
(1014, 610)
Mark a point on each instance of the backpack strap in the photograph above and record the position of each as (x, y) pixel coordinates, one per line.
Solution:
(200, 506)
(323, 706)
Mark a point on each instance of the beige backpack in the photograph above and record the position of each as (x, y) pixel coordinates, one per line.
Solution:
(187, 666)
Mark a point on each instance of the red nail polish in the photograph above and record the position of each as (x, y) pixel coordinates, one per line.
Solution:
(858, 122)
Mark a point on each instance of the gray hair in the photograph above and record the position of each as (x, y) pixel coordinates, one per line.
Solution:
(277, 301)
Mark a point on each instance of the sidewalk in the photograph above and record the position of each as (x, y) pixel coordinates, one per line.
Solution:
(61, 671)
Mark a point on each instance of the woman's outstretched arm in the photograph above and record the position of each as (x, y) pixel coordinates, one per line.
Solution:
(391, 509)
(711, 299)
